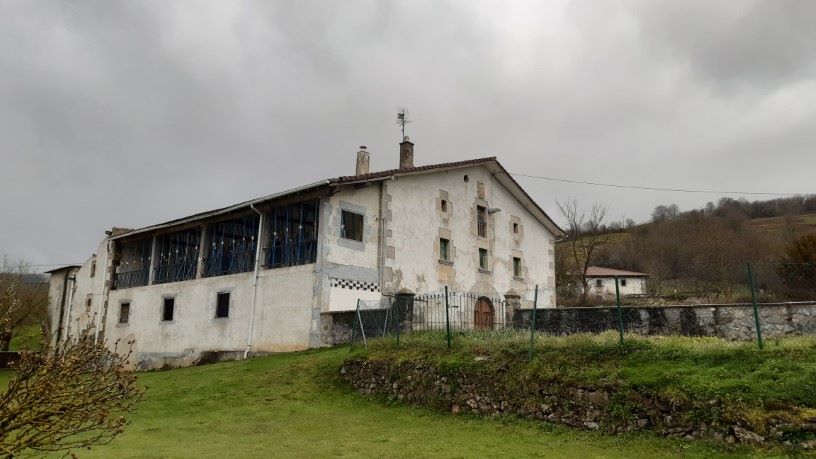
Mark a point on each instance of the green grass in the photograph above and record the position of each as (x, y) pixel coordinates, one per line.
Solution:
(783, 373)
(291, 405)
(28, 337)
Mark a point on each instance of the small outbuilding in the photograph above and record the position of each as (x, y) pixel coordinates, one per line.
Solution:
(601, 281)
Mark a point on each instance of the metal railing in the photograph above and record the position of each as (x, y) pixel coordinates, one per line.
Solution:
(230, 263)
(175, 272)
(295, 253)
(128, 279)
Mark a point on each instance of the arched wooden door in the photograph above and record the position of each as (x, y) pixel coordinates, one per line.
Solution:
(483, 314)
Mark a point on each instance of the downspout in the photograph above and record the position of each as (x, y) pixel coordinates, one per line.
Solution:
(381, 240)
(61, 321)
(251, 331)
(70, 306)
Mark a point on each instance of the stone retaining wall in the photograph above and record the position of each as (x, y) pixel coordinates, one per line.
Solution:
(725, 321)
(487, 389)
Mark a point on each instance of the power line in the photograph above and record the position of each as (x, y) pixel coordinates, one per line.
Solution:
(652, 188)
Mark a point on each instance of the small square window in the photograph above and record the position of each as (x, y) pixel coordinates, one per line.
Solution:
(483, 259)
(516, 266)
(515, 228)
(598, 283)
(444, 249)
(351, 226)
(222, 305)
(444, 205)
(168, 309)
(623, 282)
(124, 313)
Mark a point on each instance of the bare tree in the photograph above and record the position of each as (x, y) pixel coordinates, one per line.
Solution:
(72, 395)
(22, 301)
(585, 236)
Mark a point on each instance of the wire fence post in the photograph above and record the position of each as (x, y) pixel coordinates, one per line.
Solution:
(754, 302)
(354, 324)
(447, 317)
(620, 312)
(533, 324)
(395, 305)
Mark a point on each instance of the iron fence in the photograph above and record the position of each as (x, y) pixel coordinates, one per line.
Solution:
(773, 301)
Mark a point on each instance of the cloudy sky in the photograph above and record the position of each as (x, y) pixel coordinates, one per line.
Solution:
(132, 113)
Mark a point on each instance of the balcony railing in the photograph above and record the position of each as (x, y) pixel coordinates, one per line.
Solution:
(175, 272)
(230, 263)
(292, 254)
(128, 279)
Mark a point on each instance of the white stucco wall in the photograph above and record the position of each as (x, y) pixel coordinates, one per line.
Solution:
(417, 224)
(634, 286)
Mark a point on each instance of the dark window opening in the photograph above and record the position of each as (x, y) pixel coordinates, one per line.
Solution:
(517, 266)
(481, 221)
(598, 283)
(177, 256)
(124, 313)
(88, 302)
(132, 263)
(222, 305)
(515, 228)
(467, 179)
(292, 235)
(352, 226)
(483, 259)
(623, 282)
(232, 246)
(444, 249)
(93, 266)
(168, 309)
(444, 205)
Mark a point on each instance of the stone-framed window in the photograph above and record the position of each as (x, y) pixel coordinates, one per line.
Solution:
(484, 263)
(517, 267)
(351, 226)
(444, 249)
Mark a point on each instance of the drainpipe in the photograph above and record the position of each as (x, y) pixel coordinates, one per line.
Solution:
(70, 307)
(251, 331)
(61, 320)
(381, 240)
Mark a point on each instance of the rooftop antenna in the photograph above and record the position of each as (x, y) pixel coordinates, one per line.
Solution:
(402, 120)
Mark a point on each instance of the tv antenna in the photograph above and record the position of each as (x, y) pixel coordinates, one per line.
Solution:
(402, 120)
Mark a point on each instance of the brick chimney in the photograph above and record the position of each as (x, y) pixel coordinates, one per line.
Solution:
(406, 154)
(363, 160)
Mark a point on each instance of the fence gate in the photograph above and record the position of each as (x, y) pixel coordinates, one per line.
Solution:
(483, 314)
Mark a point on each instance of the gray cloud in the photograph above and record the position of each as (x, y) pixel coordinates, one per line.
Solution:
(131, 113)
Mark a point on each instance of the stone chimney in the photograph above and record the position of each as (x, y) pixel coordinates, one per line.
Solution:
(406, 154)
(363, 160)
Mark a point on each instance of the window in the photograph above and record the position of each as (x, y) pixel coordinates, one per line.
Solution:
(124, 313)
(444, 205)
(168, 309)
(517, 266)
(623, 282)
(93, 266)
(88, 302)
(481, 221)
(222, 305)
(444, 249)
(483, 259)
(515, 228)
(598, 283)
(352, 226)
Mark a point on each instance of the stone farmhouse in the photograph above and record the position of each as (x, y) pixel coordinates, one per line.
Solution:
(271, 274)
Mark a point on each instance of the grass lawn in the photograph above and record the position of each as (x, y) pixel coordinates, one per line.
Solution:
(290, 405)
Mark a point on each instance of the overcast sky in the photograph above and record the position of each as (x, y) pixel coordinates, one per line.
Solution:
(132, 113)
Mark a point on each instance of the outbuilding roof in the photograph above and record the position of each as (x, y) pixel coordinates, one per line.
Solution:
(601, 271)
(492, 164)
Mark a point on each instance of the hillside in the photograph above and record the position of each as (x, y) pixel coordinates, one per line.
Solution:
(292, 405)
